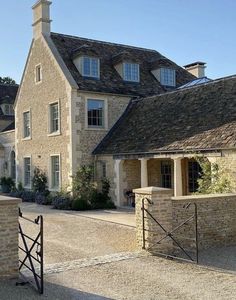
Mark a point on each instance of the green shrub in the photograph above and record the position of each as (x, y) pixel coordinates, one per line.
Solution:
(20, 187)
(62, 200)
(28, 196)
(80, 204)
(102, 200)
(7, 184)
(39, 180)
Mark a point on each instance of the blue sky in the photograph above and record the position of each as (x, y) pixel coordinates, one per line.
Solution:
(183, 30)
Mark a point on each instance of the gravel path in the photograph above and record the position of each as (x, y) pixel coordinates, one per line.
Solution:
(141, 278)
(69, 237)
(96, 260)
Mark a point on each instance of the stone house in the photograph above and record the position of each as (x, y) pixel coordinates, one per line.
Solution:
(73, 91)
(7, 133)
(157, 138)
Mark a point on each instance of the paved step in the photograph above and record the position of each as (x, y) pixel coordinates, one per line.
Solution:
(85, 262)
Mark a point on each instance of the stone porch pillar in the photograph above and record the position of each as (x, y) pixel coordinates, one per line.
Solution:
(118, 181)
(178, 185)
(144, 172)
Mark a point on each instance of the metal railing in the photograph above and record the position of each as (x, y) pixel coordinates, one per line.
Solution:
(32, 249)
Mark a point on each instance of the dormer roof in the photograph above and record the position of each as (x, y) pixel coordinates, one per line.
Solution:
(110, 81)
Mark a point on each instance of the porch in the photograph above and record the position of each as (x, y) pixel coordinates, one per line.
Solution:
(179, 173)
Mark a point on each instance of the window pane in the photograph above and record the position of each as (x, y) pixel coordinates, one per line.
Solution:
(166, 174)
(194, 173)
(131, 72)
(27, 167)
(54, 111)
(167, 77)
(95, 113)
(90, 67)
(86, 66)
(26, 118)
(94, 67)
(55, 165)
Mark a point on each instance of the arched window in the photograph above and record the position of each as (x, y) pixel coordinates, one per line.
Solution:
(13, 165)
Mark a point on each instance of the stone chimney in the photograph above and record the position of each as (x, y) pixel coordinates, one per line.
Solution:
(196, 68)
(41, 18)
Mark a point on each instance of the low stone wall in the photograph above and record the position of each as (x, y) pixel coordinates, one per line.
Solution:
(9, 237)
(216, 220)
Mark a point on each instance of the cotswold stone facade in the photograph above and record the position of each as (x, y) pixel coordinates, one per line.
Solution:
(36, 98)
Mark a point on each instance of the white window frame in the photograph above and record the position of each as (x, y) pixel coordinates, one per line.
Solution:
(173, 83)
(36, 78)
(30, 183)
(51, 188)
(105, 114)
(124, 75)
(23, 121)
(50, 132)
(10, 109)
(82, 67)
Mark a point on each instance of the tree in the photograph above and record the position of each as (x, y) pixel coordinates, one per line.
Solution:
(7, 80)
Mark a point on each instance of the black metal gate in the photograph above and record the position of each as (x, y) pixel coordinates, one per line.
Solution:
(180, 241)
(31, 253)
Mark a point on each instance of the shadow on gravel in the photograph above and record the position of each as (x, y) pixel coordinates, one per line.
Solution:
(9, 290)
(223, 258)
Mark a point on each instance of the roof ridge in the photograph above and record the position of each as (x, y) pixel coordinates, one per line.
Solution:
(104, 42)
(9, 84)
(190, 87)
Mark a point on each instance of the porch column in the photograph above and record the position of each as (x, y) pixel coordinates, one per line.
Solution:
(144, 172)
(118, 181)
(178, 185)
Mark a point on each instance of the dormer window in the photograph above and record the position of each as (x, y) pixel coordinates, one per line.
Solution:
(131, 72)
(167, 77)
(8, 109)
(90, 67)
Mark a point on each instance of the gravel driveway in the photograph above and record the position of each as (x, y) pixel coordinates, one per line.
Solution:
(69, 236)
(141, 278)
(88, 259)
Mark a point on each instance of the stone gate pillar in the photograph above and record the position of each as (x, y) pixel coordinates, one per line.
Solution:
(9, 260)
(160, 207)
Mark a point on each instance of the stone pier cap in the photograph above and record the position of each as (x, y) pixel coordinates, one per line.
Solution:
(152, 190)
(6, 200)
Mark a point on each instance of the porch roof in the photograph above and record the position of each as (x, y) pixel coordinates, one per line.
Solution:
(192, 119)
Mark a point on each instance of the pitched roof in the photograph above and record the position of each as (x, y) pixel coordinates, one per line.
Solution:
(110, 81)
(8, 93)
(202, 117)
(11, 126)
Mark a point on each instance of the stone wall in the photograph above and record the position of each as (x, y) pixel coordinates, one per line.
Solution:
(216, 220)
(9, 237)
(132, 171)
